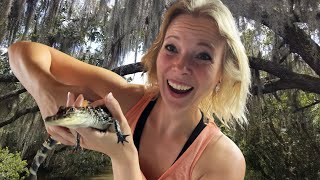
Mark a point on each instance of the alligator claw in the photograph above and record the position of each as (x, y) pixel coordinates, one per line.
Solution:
(122, 138)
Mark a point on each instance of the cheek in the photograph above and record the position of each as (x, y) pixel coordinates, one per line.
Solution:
(159, 68)
(210, 77)
(161, 65)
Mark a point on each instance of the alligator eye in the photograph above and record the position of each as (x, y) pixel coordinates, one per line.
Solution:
(70, 109)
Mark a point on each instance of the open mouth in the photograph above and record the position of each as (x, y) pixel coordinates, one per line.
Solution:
(178, 88)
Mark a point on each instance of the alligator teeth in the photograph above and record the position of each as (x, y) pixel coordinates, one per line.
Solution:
(179, 86)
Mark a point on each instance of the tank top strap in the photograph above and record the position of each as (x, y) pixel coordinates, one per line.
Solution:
(183, 167)
(134, 113)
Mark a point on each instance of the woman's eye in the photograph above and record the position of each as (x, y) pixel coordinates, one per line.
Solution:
(204, 56)
(171, 48)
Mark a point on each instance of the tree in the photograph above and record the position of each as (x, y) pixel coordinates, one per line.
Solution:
(282, 42)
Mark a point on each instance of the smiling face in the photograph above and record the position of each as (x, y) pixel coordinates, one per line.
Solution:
(189, 64)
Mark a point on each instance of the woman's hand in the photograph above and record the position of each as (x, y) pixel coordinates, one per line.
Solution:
(62, 134)
(54, 95)
(107, 142)
(122, 155)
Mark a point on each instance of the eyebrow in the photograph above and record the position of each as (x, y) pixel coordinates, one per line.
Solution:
(209, 45)
(201, 43)
(172, 36)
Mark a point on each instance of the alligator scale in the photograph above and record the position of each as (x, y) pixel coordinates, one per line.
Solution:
(76, 117)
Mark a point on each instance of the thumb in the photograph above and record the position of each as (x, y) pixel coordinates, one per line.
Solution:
(114, 107)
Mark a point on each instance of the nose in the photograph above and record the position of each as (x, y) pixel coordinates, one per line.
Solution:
(182, 64)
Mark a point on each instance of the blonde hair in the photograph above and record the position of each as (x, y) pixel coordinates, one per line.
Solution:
(230, 101)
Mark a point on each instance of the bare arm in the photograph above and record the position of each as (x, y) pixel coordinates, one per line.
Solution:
(223, 160)
(47, 72)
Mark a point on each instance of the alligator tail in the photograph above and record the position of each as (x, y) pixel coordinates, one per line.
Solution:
(41, 156)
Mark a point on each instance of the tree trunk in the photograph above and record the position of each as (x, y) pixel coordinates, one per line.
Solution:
(5, 7)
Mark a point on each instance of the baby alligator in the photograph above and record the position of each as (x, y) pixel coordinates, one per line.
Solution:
(75, 117)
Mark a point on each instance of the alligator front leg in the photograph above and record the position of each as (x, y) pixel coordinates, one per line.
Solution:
(77, 147)
(121, 137)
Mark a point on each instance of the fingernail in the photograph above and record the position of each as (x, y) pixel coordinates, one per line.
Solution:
(109, 96)
(68, 97)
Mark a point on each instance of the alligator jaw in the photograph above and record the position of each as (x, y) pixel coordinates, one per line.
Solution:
(71, 122)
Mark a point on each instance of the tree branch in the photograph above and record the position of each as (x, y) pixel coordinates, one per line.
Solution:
(8, 78)
(270, 67)
(284, 26)
(19, 114)
(129, 69)
(13, 93)
(287, 79)
(307, 106)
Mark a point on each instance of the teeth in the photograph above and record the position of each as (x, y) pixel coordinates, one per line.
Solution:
(179, 86)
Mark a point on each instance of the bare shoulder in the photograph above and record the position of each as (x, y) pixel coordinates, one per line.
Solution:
(222, 159)
(130, 95)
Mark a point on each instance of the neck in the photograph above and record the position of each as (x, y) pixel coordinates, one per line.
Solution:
(168, 119)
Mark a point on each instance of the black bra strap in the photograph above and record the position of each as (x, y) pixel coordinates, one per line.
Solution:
(141, 122)
(195, 133)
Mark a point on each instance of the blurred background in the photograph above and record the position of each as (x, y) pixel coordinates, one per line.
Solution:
(282, 138)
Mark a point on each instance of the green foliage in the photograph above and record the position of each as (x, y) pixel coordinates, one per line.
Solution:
(282, 138)
(12, 166)
(77, 164)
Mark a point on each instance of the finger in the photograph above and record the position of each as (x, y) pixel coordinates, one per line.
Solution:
(61, 134)
(84, 131)
(73, 132)
(90, 95)
(78, 102)
(70, 99)
(113, 106)
(88, 135)
(97, 103)
(61, 140)
(90, 132)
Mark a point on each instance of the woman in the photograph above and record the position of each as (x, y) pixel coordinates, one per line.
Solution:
(197, 66)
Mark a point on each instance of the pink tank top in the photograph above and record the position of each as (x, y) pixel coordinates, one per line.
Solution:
(183, 167)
